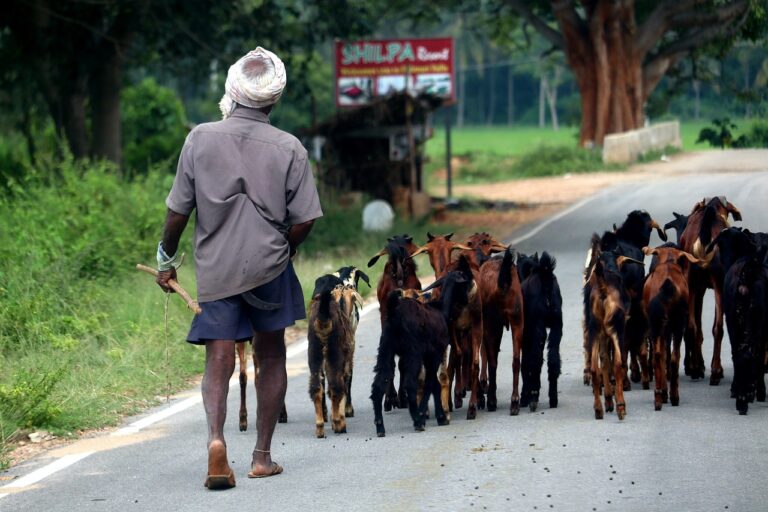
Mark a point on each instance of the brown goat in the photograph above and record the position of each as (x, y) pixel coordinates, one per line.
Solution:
(240, 346)
(466, 329)
(482, 246)
(331, 351)
(665, 297)
(707, 219)
(606, 307)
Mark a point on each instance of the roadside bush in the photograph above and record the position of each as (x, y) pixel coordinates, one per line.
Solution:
(721, 135)
(154, 126)
(558, 160)
(758, 135)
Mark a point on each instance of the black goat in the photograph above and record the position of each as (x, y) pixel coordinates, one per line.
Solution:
(745, 301)
(543, 309)
(418, 333)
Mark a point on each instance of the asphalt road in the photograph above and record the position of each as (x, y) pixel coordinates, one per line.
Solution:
(699, 456)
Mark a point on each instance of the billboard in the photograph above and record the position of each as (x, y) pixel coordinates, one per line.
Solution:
(367, 69)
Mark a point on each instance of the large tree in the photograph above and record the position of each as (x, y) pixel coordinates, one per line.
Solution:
(76, 53)
(619, 50)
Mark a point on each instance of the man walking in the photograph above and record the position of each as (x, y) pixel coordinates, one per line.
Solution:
(256, 201)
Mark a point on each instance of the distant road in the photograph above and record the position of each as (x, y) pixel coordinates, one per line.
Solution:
(699, 456)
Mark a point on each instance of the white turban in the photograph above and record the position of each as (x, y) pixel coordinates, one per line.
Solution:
(256, 80)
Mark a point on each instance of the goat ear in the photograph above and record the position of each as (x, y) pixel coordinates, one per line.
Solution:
(362, 275)
(437, 283)
(690, 257)
(615, 229)
(448, 236)
(430, 236)
(621, 260)
(373, 260)
(662, 234)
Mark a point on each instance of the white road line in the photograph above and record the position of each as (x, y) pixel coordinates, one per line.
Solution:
(46, 471)
(552, 219)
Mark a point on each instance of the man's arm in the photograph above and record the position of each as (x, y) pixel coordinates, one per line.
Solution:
(298, 233)
(174, 227)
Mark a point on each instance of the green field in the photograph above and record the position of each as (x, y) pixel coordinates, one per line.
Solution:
(516, 140)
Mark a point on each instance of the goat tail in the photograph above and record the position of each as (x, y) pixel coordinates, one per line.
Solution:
(324, 309)
(668, 290)
(505, 271)
(547, 263)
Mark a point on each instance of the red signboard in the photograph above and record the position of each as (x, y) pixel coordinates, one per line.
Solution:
(367, 69)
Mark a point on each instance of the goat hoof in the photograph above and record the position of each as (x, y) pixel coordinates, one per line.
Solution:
(471, 412)
(320, 432)
(598, 414)
(742, 406)
(443, 421)
(484, 386)
(514, 408)
(647, 384)
(349, 413)
(243, 426)
(387, 405)
(533, 406)
(283, 418)
(587, 379)
(491, 405)
(525, 399)
(553, 403)
(621, 411)
(457, 402)
(609, 405)
(715, 378)
(674, 400)
(481, 402)
(635, 376)
(656, 407)
(380, 434)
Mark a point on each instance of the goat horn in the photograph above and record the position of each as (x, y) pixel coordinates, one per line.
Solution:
(373, 260)
(648, 251)
(662, 234)
(623, 259)
(420, 250)
(498, 246)
(461, 247)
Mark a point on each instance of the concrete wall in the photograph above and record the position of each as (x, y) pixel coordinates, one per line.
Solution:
(628, 146)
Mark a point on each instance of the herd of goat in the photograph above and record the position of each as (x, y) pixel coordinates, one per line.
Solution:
(449, 334)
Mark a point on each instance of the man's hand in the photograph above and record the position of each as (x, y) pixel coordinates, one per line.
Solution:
(163, 278)
(297, 234)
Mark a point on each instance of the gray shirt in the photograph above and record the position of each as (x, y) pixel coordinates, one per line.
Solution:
(249, 182)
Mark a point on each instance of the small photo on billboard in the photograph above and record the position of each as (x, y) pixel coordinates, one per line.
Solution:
(387, 84)
(438, 84)
(355, 90)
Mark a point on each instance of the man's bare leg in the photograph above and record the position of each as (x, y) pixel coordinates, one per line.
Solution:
(269, 354)
(219, 365)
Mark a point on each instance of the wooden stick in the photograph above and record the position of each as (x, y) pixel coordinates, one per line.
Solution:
(191, 303)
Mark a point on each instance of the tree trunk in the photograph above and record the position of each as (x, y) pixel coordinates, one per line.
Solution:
(510, 97)
(542, 100)
(491, 96)
(552, 98)
(106, 83)
(601, 54)
(697, 99)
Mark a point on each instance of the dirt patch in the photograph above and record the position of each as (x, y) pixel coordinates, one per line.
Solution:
(562, 190)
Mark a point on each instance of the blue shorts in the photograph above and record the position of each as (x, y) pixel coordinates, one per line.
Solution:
(232, 318)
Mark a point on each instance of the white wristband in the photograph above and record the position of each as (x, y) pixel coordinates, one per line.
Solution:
(165, 262)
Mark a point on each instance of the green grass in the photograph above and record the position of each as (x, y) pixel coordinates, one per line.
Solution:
(499, 140)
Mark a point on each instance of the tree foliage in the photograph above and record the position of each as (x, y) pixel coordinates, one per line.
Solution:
(620, 50)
